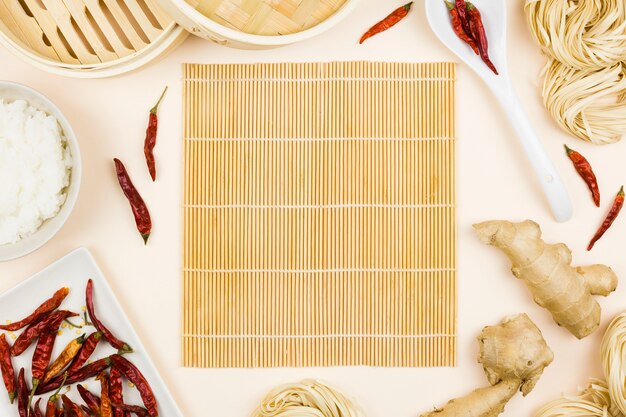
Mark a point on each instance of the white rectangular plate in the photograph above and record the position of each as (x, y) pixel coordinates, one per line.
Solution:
(73, 271)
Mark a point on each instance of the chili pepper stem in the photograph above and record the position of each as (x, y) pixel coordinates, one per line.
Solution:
(125, 349)
(407, 6)
(32, 394)
(145, 237)
(11, 397)
(76, 326)
(449, 4)
(568, 150)
(156, 106)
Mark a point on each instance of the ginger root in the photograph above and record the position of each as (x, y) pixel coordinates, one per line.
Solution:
(565, 291)
(513, 354)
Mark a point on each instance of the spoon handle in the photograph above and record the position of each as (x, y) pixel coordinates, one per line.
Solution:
(546, 173)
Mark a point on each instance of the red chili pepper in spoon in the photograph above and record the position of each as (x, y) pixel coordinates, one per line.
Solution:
(151, 137)
(108, 335)
(477, 30)
(458, 27)
(583, 167)
(135, 376)
(48, 306)
(6, 366)
(461, 8)
(610, 218)
(394, 18)
(139, 207)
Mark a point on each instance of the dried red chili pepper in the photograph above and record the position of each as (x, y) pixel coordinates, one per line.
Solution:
(48, 306)
(116, 391)
(72, 407)
(457, 26)
(389, 21)
(151, 137)
(42, 355)
(477, 30)
(135, 409)
(68, 354)
(135, 376)
(51, 322)
(113, 341)
(87, 349)
(583, 167)
(92, 400)
(105, 400)
(461, 8)
(51, 405)
(37, 409)
(88, 371)
(139, 207)
(610, 218)
(41, 359)
(22, 395)
(6, 366)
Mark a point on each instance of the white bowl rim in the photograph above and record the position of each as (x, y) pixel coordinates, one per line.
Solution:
(36, 240)
(262, 40)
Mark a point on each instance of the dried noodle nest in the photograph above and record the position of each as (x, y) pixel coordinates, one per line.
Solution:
(584, 87)
(582, 34)
(613, 353)
(592, 402)
(307, 399)
(600, 399)
(590, 105)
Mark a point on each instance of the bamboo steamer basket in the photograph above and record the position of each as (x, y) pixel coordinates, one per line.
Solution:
(255, 24)
(87, 38)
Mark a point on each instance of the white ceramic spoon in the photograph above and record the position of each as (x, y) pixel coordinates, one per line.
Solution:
(494, 15)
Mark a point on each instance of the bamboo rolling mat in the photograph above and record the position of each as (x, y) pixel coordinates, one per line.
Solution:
(319, 215)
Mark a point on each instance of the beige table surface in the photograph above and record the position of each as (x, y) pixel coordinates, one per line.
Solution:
(494, 181)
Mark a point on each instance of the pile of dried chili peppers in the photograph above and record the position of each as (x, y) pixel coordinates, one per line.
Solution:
(584, 169)
(467, 24)
(73, 366)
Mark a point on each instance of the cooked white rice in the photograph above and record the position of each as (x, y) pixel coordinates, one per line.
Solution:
(35, 167)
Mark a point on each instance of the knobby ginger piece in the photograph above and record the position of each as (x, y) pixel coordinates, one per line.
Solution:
(565, 291)
(513, 354)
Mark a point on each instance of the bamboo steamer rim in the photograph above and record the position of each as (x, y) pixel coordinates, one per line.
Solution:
(171, 37)
(158, 43)
(199, 24)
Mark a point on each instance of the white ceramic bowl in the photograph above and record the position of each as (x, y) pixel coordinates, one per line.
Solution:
(10, 91)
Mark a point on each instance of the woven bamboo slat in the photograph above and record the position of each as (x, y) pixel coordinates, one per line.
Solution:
(268, 17)
(91, 32)
(319, 215)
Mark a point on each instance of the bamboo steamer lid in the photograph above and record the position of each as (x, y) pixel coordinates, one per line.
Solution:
(87, 38)
(257, 23)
